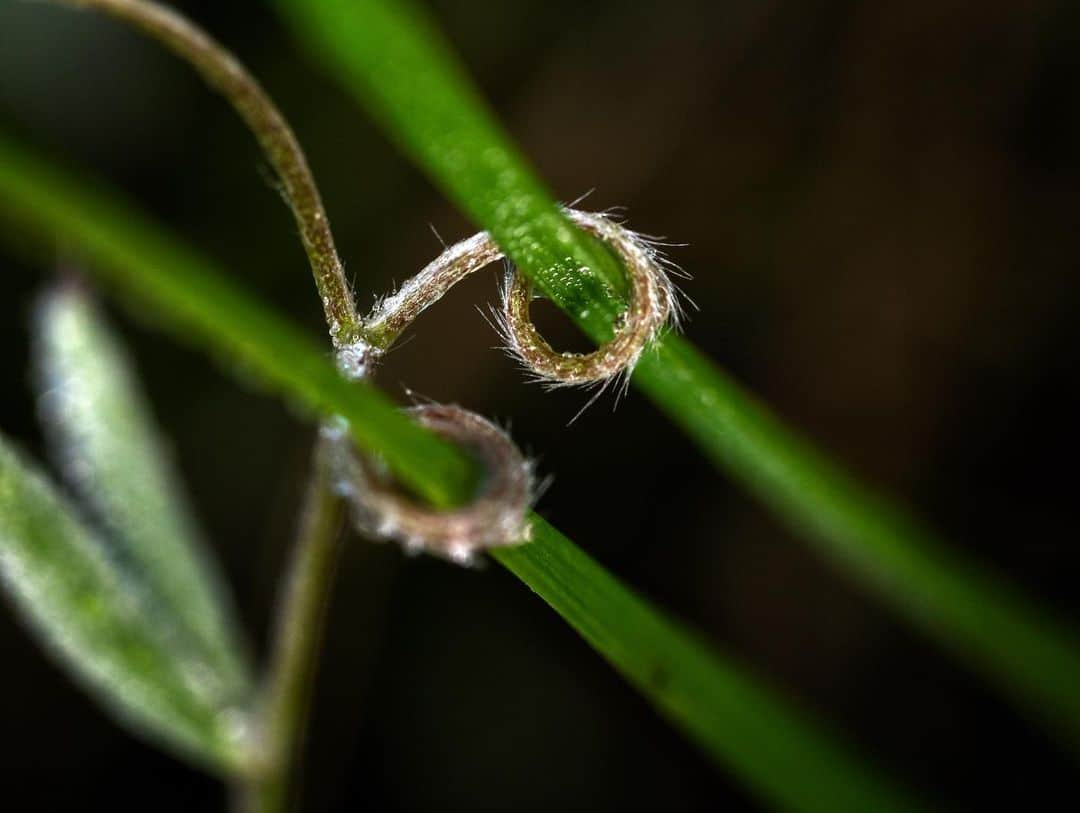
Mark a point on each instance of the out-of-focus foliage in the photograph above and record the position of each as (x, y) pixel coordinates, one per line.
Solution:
(105, 625)
(112, 456)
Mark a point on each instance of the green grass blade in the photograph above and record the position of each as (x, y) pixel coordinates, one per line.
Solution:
(713, 701)
(1029, 654)
(397, 65)
(113, 457)
(785, 758)
(101, 626)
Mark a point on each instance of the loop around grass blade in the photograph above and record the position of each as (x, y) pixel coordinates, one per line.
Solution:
(778, 753)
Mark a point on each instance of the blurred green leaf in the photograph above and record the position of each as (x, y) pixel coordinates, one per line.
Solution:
(783, 755)
(110, 452)
(105, 628)
(390, 55)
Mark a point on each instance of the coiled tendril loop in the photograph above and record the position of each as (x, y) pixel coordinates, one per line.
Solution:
(497, 515)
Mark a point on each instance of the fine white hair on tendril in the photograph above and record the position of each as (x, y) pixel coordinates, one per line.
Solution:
(497, 516)
(654, 305)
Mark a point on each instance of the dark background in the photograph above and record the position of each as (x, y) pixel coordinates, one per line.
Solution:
(881, 209)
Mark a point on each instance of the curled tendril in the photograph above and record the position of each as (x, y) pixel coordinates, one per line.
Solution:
(652, 306)
(495, 517)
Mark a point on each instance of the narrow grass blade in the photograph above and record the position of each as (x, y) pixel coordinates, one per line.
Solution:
(112, 455)
(783, 756)
(1024, 650)
(391, 57)
(102, 626)
(718, 705)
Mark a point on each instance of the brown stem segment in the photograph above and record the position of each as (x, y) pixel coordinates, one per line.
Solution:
(651, 305)
(223, 72)
(298, 636)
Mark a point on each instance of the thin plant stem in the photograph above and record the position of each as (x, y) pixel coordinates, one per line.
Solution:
(223, 72)
(280, 726)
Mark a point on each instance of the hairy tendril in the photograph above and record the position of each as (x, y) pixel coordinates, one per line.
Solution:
(496, 516)
(497, 513)
(492, 518)
(652, 305)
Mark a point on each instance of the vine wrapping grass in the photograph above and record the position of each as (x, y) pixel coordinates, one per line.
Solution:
(652, 306)
(359, 343)
(392, 58)
(494, 517)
